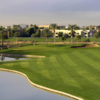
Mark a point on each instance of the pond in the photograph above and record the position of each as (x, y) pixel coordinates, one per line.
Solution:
(16, 87)
(4, 58)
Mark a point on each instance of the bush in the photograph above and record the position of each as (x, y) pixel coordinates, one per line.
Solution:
(66, 35)
(96, 35)
(63, 38)
(60, 34)
(86, 40)
(78, 37)
(20, 40)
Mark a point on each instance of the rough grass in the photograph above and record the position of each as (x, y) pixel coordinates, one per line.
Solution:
(75, 71)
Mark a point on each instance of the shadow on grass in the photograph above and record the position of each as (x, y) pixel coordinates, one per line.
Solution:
(56, 45)
(78, 46)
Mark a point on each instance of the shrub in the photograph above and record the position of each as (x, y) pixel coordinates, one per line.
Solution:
(78, 37)
(96, 35)
(60, 34)
(63, 38)
(86, 40)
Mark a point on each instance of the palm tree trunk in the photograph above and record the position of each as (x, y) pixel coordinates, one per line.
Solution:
(72, 39)
(54, 38)
(1, 40)
(46, 40)
(16, 40)
(72, 36)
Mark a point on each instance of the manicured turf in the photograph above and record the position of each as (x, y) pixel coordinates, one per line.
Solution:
(49, 39)
(75, 71)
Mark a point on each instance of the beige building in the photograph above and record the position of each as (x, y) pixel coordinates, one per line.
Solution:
(44, 26)
(83, 33)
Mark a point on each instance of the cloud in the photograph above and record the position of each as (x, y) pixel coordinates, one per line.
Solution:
(49, 11)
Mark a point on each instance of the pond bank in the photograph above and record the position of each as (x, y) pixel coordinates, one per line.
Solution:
(17, 55)
(42, 87)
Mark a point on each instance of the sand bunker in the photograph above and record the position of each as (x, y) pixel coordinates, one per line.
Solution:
(86, 46)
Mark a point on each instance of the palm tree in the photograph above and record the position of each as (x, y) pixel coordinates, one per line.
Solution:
(54, 26)
(26, 26)
(8, 30)
(1, 34)
(72, 28)
(31, 25)
(83, 28)
(16, 35)
(46, 39)
(91, 27)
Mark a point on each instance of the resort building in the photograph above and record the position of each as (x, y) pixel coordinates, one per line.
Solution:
(83, 33)
(43, 26)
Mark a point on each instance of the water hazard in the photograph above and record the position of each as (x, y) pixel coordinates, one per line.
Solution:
(4, 58)
(16, 87)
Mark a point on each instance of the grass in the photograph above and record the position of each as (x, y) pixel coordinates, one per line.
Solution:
(75, 71)
(50, 39)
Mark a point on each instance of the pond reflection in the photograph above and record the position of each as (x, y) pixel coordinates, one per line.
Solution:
(5, 47)
(4, 58)
(1, 48)
(16, 87)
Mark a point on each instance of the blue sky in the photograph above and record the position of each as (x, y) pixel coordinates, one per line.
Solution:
(44, 12)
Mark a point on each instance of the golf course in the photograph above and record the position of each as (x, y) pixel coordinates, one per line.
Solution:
(72, 70)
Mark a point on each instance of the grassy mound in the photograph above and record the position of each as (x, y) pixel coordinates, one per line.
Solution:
(75, 71)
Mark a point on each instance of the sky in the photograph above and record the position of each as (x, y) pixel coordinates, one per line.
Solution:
(45, 12)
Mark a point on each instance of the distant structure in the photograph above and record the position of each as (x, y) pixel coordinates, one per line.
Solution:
(43, 26)
(97, 27)
(83, 33)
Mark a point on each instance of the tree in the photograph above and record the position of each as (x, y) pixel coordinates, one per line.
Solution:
(8, 27)
(54, 26)
(60, 34)
(5, 36)
(1, 28)
(16, 34)
(1, 34)
(78, 37)
(37, 34)
(47, 32)
(8, 30)
(66, 36)
(86, 28)
(30, 31)
(63, 38)
(83, 28)
(19, 27)
(96, 35)
(31, 25)
(26, 26)
(72, 28)
(12, 32)
(92, 27)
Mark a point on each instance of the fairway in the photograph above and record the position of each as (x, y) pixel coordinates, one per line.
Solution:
(71, 70)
